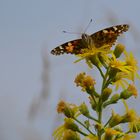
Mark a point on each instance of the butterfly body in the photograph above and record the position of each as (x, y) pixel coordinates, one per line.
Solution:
(107, 36)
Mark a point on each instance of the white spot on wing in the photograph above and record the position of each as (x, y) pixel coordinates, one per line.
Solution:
(105, 31)
(61, 47)
(115, 28)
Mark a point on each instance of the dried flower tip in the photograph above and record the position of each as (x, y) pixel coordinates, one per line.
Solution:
(63, 107)
(85, 81)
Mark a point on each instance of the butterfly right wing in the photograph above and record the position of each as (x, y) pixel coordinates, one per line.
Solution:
(71, 47)
(108, 36)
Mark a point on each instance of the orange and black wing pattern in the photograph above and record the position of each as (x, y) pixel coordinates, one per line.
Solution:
(71, 47)
(108, 36)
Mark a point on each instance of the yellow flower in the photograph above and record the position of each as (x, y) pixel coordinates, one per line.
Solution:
(130, 115)
(115, 119)
(86, 82)
(70, 135)
(92, 50)
(120, 80)
(131, 88)
(120, 65)
(62, 130)
(59, 132)
(69, 110)
(133, 119)
(91, 137)
(135, 126)
(127, 137)
(131, 61)
(130, 91)
(110, 133)
(92, 54)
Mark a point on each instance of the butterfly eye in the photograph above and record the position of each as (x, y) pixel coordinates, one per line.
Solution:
(84, 36)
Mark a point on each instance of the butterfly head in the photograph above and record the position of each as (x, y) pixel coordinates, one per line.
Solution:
(86, 39)
(85, 36)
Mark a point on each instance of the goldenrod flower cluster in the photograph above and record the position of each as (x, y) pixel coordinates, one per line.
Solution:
(118, 69)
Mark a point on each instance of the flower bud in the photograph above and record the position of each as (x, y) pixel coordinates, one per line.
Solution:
(92, 102)
(69, 124)
(102, 60)
(130, 91)
(87, 123)
(95, 60)
(125, 94)
(64, 108)
(115, 98)
(119, 50)
(68, 112)
(84, 110)
(118, 128)
(98, 127)
(86, 82)
(115, 119)
(106, 93)
(70, 135)
(113, 72)
(109, 133)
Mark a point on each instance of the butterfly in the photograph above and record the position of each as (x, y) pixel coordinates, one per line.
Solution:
(107, 36)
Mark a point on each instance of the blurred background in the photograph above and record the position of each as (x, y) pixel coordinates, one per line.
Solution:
(32, 81)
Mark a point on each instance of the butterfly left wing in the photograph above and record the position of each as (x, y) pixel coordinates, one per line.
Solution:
(108, 36)
(71, 47)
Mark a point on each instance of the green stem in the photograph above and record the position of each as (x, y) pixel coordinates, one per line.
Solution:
(84, 134)
(84, 126)
(100, 121)
(100, 103)
(100, 71)
(90, 117)
(105, 80)
(107, 122)
(94, 99)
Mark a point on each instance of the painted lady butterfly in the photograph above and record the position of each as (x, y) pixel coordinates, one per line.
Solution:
(107, 36)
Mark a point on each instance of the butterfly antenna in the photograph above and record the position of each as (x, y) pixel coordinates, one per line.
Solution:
(71, 32)
(88, 25)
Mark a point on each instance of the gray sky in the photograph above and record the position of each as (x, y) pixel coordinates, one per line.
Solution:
(30, 28)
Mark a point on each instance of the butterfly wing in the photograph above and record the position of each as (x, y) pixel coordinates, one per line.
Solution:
(71, 47)
(108, 36)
